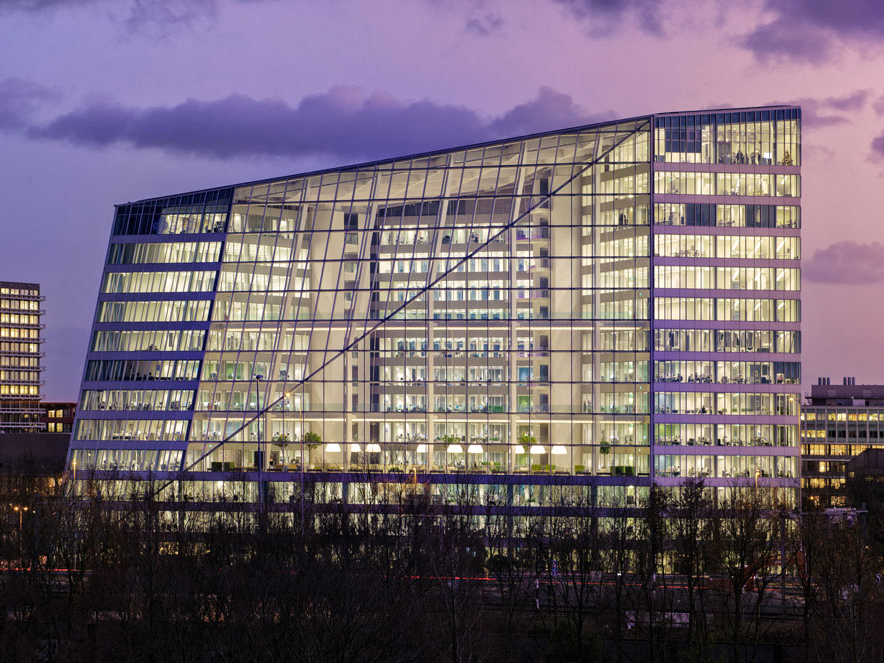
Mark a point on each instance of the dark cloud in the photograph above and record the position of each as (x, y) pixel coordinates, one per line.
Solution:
(879, 105)
(134, 13)
(783, 40)
(605, 15)
(485, 25)
(38, 5)
(19, 99)
(548, 110)
(856, 263)
(158, 8)
(809, 30)
(342, 122)
(169, 12)
(855, 101)
(813, 117)
(878, 148)
(829, 111)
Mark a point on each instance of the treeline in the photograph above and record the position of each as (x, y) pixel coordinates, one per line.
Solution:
(129, 577)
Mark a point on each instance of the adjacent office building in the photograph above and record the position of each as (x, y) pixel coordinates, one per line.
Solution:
(582, 313)
(838, 423)
(57, 417)
(25, 444)
(20, 357)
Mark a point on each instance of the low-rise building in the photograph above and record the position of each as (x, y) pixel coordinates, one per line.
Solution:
(838, 423)
(58, 417)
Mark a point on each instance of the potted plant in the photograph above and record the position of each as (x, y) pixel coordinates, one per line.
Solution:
(312, 441)
(281, 440)
(604, 449)
(454, 458)
(527, 440)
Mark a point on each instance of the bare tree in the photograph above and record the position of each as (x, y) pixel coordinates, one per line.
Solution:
(691, 549)
(850, 628)
(743, 533)
(509, 564)
(654, 604)
(575, 571)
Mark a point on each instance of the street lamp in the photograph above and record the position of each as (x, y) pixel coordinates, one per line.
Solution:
(258, 378)
(303, 434)
(21, 512)
(301, 443)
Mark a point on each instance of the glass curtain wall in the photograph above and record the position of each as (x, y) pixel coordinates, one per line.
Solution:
(146, 351)
(727, 297)
(618, 303)
(21, 367)
(483, 310)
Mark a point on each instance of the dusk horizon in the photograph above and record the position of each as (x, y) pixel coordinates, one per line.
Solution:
(441, 331)
(159, 97)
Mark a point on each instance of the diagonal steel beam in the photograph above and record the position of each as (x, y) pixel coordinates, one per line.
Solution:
(383, 321)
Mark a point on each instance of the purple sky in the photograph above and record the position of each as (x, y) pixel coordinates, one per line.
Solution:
(106, 101)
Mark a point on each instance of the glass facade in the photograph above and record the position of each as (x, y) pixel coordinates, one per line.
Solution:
(838, 423)
(21, 367)
(600, 308)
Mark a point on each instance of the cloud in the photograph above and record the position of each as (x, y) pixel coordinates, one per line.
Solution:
(19, 99)
(784, 40)
(879, 105)
(816, 152)
(170, 12)
(606, 15)
(855, 101)
(810, 30)
(343, 122)
(133, 13)
(830, 111)
(485, 25)
(548, 110)
(878, 148)
(38, 5)
(856, 263)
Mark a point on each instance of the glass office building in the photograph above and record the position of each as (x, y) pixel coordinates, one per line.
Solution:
(838, 423)
(21, 323)
(590, 310)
